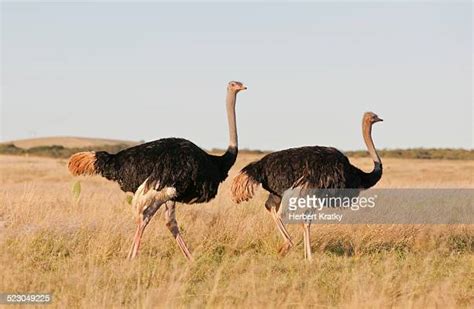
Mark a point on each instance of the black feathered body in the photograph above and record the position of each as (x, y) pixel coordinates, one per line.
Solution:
(311, 167)
(168, 162)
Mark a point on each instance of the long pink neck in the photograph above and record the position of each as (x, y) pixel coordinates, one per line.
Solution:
(370, 179)
(367, 134)
(230, 105)
(228, 158)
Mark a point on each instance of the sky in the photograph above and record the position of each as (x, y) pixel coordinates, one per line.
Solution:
(143, 71)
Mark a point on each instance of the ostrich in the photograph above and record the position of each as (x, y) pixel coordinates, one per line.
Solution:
(308, 167)
(164, 171)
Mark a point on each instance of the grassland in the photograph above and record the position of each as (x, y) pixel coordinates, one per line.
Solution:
(76, 248)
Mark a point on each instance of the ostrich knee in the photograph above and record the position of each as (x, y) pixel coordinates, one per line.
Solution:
(173, 227)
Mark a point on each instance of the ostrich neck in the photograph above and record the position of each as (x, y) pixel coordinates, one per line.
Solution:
(370, 179)
(367, 133)
(230, 104)
(226, 160)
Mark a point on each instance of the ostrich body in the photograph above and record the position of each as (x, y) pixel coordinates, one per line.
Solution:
(164, 171)
(305, 167)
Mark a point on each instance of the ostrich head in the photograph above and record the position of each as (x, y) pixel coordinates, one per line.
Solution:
(371, 118)
(235, 86)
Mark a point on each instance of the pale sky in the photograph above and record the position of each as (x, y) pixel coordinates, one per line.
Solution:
(143, 71)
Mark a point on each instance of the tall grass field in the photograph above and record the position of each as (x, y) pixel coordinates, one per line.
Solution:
(72, 240)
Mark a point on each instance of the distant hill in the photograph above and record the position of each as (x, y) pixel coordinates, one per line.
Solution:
(66, 142)
(61, 147)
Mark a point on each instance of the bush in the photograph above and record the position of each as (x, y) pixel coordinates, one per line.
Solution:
(420, 153)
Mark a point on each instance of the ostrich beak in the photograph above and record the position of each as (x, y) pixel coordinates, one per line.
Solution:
(377, 119)
(244, 87)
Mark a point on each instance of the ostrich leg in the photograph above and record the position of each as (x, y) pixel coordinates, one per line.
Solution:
(307, 242)
(143, 221)
(172, 225)
(272, 203)
(147, 203)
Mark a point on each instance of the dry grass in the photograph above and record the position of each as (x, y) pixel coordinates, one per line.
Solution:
(76, 248)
